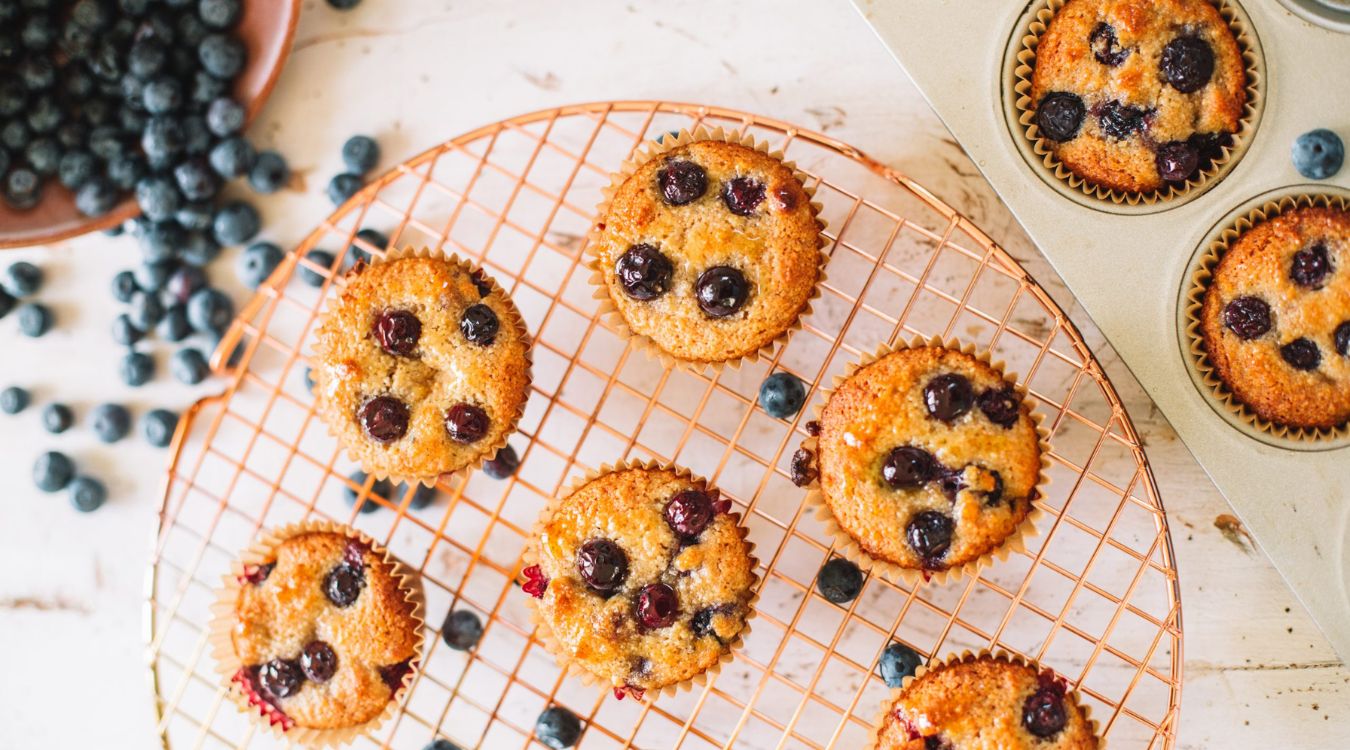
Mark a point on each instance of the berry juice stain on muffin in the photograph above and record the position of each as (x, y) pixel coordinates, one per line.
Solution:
(324, 631)
(927, 458)
(643, 578)
(709, 250)
(1132, 95)
(423, 368)
(1276, 318)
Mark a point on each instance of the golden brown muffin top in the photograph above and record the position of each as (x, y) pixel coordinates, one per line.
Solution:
(732, 216)
(1276, 318)
(928, 458)
(422, 367)
(324, 631)
(1159, 85)
(985, 703)
(646, 577)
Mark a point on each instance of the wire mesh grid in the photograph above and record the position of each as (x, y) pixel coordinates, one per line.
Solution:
(1094, 596)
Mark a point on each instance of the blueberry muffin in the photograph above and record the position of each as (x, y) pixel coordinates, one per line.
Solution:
(1276, 318)
(928, 458)
(984, 701)
(710, 251)
(423, 367)
(325, 631)
(1132, 95)
(642, 578)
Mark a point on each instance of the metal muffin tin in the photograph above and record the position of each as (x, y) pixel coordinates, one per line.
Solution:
(1130, 271)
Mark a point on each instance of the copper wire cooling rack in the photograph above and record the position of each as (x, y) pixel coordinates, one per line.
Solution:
(1094, 596)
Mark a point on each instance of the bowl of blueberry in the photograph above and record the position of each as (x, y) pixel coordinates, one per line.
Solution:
(103, 100)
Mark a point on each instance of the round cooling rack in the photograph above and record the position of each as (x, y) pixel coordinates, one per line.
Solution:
(1094, 596)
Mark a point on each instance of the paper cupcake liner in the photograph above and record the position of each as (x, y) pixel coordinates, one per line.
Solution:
(849, 548)
(517, 324)
(645, 153)
(228, 664)
(965, 656)
(1024, 66)
(1195, 300)
(544, 633)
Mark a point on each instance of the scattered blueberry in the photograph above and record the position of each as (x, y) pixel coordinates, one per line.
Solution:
(195, 217)
(360, 154)
(839, 581)
(462, 629)
(1318, 154)
(160, 241)
(23, 279)
(309, 380)
(137, 368)
(257, 262)
(897, 662)
(232, 157)
(372, 237)
(505, 463)
(14, 400)
(34, 319)
(158, 427)
(382, 488)
(124, 332)
(162, 95)
(57, 418)
(321, 258)
(183, 283)
(111, 422)
(269, 173)
(7, 303)
(236, 223)
(342, 187)
(87, 494)
(196, 181)
(52, 471)
(781, 395)
(440, 743)
(23, 189)
(422, 496)
(556, 727)
(151, 277)
(209, 310)
(189, 366)
(199, 249)
(145, 311)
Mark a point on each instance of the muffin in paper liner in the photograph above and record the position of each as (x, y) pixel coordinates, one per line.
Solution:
(888, 706)
(849, 548)
(514, 325)
(1194, 344)
(228, 665)
(1024, 65)
(543, 630)
(643, 155)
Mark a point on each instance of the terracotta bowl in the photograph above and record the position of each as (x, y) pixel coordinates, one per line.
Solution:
(266, 28)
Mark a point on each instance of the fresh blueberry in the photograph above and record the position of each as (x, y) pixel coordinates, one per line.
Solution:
(556, 727)
(257, 262)
(232, 157)
(146, 58)
(52, 471)
(221, 55)
(125, 170)
(137, 368)
(7, 302)
(34, 319)
(897, 662)
(111, 422)
(161, 241)
(174, 326)
(124, 286)
(309, 380)
(183, 283)
(72, 135)
(196, 180)
(225, 117)
(145, 311)
(14, 400)
(440, 743)
(382, 488)
(158, 427)
(839, 581)
(189, 366)
(342, 187)
(44, 156)
(45, 115)
(209, 310)
(76, 169)
(320, 258)
(151, 277)
(91, 14)
(15, 136)
(106, 143)
(462, 629)
(163, 141)
(23, 279)
(158, 198)
(195, 217)
(360, 154)
(199, 249)
(269, 173)
(1059, 115)
(219, 14)
(1187, 63)
(124, 332)
(57, 418)
(371, 237)
(162, 95)
(23, 189)
(236, 223)
(87, 494)
(1318, 154)
(505, 463)
(782, 395)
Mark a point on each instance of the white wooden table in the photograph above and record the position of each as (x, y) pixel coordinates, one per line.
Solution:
(1258, 674)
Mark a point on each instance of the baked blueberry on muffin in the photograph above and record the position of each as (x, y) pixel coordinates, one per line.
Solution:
(423, 367)
(984, 701)
(641, 577)
(928, 458)
(325, 632)
(1276, 318)
(1132, 95)
(710, 251)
